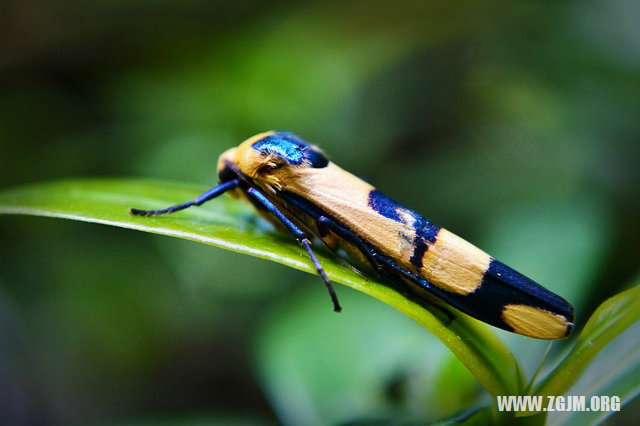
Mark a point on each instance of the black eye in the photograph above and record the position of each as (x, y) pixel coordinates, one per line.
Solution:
(226, 174)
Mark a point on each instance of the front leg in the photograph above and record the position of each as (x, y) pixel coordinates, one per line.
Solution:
(300, 236)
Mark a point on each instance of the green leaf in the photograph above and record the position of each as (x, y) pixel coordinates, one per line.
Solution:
(392, 369)
(232, 225)
(613, 317)
(615, 371)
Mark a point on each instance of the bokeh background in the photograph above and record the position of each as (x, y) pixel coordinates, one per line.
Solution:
(514, 124)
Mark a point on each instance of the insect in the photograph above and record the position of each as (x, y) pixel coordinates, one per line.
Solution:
(295, 186)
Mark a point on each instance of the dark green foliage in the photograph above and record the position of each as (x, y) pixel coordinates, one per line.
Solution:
(514, 124)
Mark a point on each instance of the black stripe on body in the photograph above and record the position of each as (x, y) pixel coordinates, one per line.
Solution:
(501, 286)
(426, 232)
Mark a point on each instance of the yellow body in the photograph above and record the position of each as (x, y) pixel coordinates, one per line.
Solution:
(450, 263)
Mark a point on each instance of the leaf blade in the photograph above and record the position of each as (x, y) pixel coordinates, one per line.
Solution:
(612, 318)
(232, 225)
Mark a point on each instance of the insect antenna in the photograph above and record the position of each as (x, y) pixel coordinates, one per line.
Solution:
(199, 200)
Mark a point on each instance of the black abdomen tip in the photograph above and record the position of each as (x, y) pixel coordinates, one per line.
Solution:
(514, 287)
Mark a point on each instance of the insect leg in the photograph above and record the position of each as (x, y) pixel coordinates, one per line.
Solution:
(349, 236)
(421, 282)
(300, 236)
(324, 223)
(425, 285)
(322, 230)
(212, 193)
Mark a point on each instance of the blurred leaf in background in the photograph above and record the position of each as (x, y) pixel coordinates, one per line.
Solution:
(515, 124)
(371, 364)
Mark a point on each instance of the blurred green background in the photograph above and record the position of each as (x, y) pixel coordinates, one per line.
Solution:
(514, 124)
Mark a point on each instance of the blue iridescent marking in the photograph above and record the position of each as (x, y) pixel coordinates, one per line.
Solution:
(387, 207)
(291, 148)
(426, 232)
